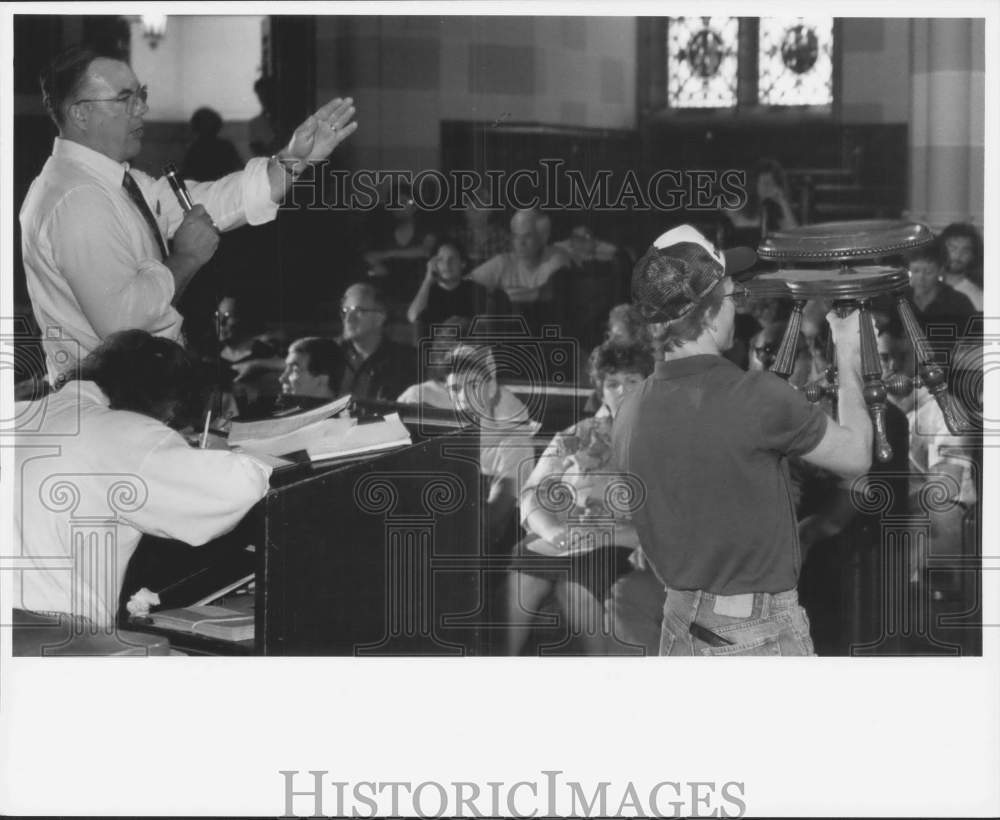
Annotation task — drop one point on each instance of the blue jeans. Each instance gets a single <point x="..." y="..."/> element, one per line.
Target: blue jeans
<point x="757" y="623"/>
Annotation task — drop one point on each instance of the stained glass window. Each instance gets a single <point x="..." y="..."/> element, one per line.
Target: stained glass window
<point x="795" y="61"/>
<point x="702" y="62"/>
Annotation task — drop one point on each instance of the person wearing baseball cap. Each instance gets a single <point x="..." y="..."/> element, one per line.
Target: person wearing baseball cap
<point x="710" y="444"/>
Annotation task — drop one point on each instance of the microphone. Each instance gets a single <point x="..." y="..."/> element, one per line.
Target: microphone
<point x="180" y="190"/>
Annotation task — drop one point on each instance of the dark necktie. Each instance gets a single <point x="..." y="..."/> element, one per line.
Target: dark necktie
<point x="132" y="188"/>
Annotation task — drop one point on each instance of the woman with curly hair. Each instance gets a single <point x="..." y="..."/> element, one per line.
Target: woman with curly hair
<point x="581" y="546"/>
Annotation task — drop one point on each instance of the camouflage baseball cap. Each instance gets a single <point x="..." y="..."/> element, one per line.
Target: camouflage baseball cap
<point x="679" y="270"/>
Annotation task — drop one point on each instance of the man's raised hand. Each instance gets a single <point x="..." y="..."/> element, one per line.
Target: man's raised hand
<point x="323" y="131"/>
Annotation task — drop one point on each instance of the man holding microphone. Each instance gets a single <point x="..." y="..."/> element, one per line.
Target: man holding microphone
<point x="94" y="231"/>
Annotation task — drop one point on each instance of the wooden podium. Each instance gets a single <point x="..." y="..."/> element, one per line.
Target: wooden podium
<point x="379" y="556"/>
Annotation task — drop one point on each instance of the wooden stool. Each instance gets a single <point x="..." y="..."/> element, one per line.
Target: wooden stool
<point x="821" y="262"/>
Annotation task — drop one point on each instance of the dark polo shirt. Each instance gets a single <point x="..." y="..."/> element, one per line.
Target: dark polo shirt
<point x="709" y="443"/>
<point x="383" y="375"/>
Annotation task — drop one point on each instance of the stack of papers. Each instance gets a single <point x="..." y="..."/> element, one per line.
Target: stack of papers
<point x="367" y="437"/>
<point x="324" y="438"/>
<point x="273" y="437"/>
<point x="260" y="431"/>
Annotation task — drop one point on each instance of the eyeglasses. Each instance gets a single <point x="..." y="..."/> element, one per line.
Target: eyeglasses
<point x="355" y="309"/>
<point x="740" y="296"/>
<point x="130" y="99"/>
<point x="765" y="351"/>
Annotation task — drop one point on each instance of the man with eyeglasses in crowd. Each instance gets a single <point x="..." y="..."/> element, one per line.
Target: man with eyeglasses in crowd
<point x="95" y="232"/>
<point x="710" y="444"/>
<point x="377" y="367"/>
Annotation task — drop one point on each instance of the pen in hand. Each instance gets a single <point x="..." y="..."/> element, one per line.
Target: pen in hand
<point x="204" y="434"/>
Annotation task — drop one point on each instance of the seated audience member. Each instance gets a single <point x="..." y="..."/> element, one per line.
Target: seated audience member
<point x="210" y="156"/>
<point x="445" y="292"/>
<point x="524" y="271"/>
<point x="936" y="456"/>
<point x="764" y="348"/>
<point x="752" y="317"/>
<point x="577" y="464"/>
<point x="626" y="326"/>
<point x="817" y="335"/>
<point x="246" y="363"/>
<point x="102" y="442"/>
<point x="434" y="392"/>
<point x="377" y="367"/>
<point x="314" y="369"/>
<point x="479" y="232"/>
<point x="400" y="246"/>
<point x="935" y="303"/>
<point x="240" y="331"/>
<point x="964" y="272"/>
<point x="506" y="454"/>
<point x="768" y="207"/>
<point x="582" y="247"/>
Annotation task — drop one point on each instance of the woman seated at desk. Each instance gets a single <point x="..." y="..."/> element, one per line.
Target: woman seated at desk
<point x="568" y="549"/>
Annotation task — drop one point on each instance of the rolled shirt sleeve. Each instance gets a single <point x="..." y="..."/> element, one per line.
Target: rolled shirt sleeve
<point x="240" y="198"/>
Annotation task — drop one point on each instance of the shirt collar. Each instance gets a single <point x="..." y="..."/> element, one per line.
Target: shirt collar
<point x="106" y="168"/>
<point x="689" y="365"/>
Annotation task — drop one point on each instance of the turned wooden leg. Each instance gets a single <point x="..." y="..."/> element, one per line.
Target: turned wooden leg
<point x="931" y="374"/>
<point x="784" y="361"/>
<point x="874" y="389"/>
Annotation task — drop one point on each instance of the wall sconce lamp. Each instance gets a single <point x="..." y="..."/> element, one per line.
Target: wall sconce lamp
<point x="154" y="27"/>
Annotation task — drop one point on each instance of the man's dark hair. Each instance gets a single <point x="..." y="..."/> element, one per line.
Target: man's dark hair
<point x="451" y="242"/>
<point x="967" y="231"/>
<point x="325" y="357"/>
<point x="474" y="360"/>
<point x="62" y="76"/>
<point x="143" y="373"/>
<point x="933" y="252"/>
<point x="618" y="357"/>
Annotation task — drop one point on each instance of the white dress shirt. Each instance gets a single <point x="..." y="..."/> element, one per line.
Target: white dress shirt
<point x="93" y="266"/>
<point x="89" y="481"/>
